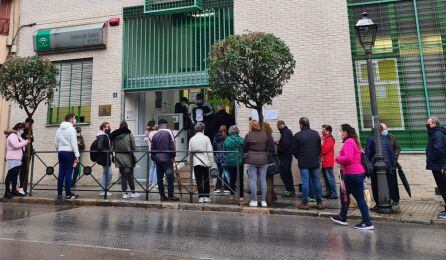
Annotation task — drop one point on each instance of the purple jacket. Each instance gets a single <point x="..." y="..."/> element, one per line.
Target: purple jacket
<point x="162" y="141"/>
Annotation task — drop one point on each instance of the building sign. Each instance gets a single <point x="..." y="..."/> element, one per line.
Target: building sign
<point x="71" y="38"/>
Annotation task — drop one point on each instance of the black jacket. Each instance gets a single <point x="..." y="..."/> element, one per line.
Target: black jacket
<point x="221" y="118"/>
<point x="104" y="144"/>
<point x="285" y="146"/>
<point x="387" y="150"/>
<point x="307" y="148"/>
<point x="436" y="149"/>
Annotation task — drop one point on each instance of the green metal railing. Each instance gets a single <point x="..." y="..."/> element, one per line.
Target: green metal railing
<point x="409" y="63"/>
<point x="170" y="51"/>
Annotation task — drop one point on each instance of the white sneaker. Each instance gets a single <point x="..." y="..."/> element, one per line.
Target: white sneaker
<point x="253" y="203"/>
<point x="125" y="195"/>
<point x="227" y="192"/>
<point x="264" y="204"/>
<point x="21" y="191"/>
<point x="102" y="194"/>
<point x="217" y="191"/>
<point x="135" y="195"/>
<point x="201" y="200"/>
<point x="207" y="200"/>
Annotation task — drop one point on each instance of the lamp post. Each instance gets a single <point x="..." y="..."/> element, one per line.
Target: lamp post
<point x="366" y="31"/>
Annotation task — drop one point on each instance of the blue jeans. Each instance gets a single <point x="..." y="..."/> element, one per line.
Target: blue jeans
<point x="106" y="175"/>
<point x="161" y="168"/>
<point x="66" y="161"/>
<point x="152" y="172"/>
<point x="308" y="176"/>
<point x="254" y="172"/>
<point x="330" y="182"/>
<point x="354" y="185"/>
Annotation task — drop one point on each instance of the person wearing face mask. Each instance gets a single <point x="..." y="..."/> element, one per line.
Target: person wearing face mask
<point x="81" y="146"/>
<point x="104" y="158"/>
<point x="15" y="150"/>
<point x="25" y="134"/>
<point x="327" y="158"/>
<point x="181" y="108"/>
<point x="285" y="154"/>
<point x="393" y="185"/>
<point x="68" y="155"/>
<point x="389" y="158"/>
<point x="436" y="157"/>
<point x="202" y="112"/>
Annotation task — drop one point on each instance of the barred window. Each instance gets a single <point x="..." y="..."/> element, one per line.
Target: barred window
<point x="73" y="93"/>
<point x="5" y="15"/>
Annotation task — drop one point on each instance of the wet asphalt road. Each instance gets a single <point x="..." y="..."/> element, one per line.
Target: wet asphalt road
<point x="49" y="232"/>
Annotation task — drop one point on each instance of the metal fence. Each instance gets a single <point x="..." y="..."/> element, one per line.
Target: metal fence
<point x="49" y="161"/>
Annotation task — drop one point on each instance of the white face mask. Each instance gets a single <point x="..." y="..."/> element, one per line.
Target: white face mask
<point x="340" y="135"/>
<point x="21" y="132"/>
<point x="74" y="121"/>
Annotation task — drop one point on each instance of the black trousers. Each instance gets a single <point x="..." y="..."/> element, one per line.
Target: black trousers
<point x="127" y="177"/>
<point x="440" y="179"/>
<point x="232" y="170"/>
<point x="202" y="178"/>
<point x="11" y="179"/>
<point x="23" y="171"/>
<point x="285" y="172"/>
<point x="392" y="183"/>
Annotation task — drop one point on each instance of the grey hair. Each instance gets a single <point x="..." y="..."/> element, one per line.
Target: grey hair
<point x="199" y="127"/>
<point x="233" y="130"/>
<point x="435" y="120"/>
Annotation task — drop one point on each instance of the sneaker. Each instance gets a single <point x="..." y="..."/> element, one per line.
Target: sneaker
<point x="311" y="200"/>
<point x="227" y="192"/>
<point x="72" y="196"/>
<point x="59" y="197"/>
<point x="125" y="195"/>
<point x="102" y="194"/>
<point x="217" y="191"/>
<point x="201" y="200"/>
<point x="337" y="219"/>
<point x="303" y="206"/>
<point x="22" y="192"/>
<point x="286" y="194"/>
<point x="442" y="215"/>
<point x="135" y="195"/>
<point x="364" y="226"/>
<point x="253" y="204"/>
<point x="264" y="204"/>
<point x="207" y="200"/>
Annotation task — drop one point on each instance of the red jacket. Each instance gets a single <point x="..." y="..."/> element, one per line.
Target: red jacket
<point x="327" y="153"/>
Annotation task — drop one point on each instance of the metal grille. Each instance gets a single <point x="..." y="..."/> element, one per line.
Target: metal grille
<point x="5" y="15"/>
<point x="73" y="93"/>
<point x="170" y="51"/>
<point x="160" y="7"/>
<point x="409" y="65"/>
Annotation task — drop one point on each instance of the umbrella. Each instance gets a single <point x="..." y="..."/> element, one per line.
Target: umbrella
<point x="403" y="178"/>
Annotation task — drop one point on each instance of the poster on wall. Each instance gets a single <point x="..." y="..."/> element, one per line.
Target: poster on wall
<point x="388" y="93"/>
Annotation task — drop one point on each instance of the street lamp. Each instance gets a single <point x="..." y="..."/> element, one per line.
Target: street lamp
<point x="366" y="31"/>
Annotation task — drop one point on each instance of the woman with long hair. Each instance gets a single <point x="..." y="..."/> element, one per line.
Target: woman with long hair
<point x="353" y="175"/>
<point x="220" y="158"/>
<point x="15" y="149"/>
<point x="256" y="150"/>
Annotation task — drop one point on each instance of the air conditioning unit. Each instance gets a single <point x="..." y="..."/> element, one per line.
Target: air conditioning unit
<point x="9" y="41"/>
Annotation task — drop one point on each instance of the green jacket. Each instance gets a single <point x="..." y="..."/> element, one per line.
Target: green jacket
<point x="124" y="142"/>
<point x="234" y="143"/>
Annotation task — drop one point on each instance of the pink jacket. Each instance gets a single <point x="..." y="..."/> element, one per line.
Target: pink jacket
<point x="350" y="158"/>
<point x="15" y="145"/>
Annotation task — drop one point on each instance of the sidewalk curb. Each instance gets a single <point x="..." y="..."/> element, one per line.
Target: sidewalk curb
<point x="213" y="208"/>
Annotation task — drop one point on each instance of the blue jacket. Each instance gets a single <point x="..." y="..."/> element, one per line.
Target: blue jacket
<point x="436" y="149"/>
<point x="162" y="141"/>
<point x="387" y="148"/>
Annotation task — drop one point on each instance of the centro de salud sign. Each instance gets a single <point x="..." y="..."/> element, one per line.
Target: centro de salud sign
<point x="89" y="36"/>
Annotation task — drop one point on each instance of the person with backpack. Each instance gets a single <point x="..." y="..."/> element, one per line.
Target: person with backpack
<point x="15" y="150"/>
<point x="352" y="175"/>
<point x="124" y="144"/>
<point x="436" y="157"/>
<point x="68" y="155"/>
<point x="150" y="133"/>
<point x="327" y="158"/>
<point x="234" y="160"/>
<point x="104" y="157"/>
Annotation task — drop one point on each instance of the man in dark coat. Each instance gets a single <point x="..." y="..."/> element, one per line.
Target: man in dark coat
<point x="436" y="156"/>
<point x="220" y="118"/>
<point x="388" y="154"/>
<point x="285" y="154"/>
<point x="181" y="108"/>
<point x="24" y="170"/>
<point x="307" y="150"/>
<point x="393" y="185"/>
<point x="104" y="158"/>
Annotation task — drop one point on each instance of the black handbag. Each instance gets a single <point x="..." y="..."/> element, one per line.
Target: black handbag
<point x="273" y="164"/>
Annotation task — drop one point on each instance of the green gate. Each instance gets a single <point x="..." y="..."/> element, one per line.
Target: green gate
<point x="409" y="64"/>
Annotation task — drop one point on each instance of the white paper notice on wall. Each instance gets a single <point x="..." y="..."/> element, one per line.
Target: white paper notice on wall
<point x="130" y="115"/>
<point x="268" y="114"/>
